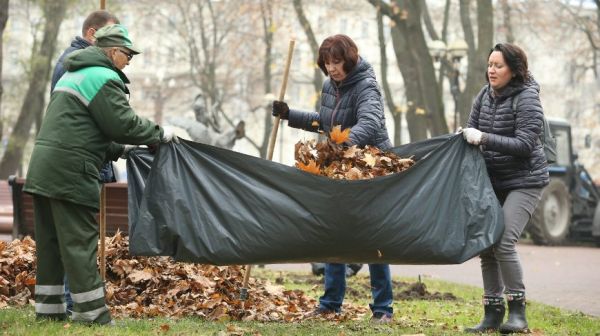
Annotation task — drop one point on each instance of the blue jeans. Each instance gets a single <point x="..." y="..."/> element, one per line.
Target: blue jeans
<point x="335" y="288"/>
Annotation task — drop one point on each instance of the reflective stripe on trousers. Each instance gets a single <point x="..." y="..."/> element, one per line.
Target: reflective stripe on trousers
<point x="50" y="308"/>
<point x="89" y="316"/>
<point x="49" y="290"/>
<point x="92" y="295"/>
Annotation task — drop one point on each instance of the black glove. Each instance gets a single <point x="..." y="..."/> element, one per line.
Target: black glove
<point x="280" y="109"/>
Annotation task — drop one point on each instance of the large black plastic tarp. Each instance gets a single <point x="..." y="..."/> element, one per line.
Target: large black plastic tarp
<point x="204" y="204"/>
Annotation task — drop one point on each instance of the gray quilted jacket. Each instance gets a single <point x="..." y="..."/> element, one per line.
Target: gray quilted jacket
<point x="513" y="153"/>
<point x="356" y="102"/>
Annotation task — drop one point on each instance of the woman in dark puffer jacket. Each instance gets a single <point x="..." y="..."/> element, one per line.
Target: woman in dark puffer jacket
<point x="516" y="164"/>
<point x="350" y="98"/>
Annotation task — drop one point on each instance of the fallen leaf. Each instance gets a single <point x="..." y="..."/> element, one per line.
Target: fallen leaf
<point x="311" y="167"/>
<point x="338" y="136"/>
<point x="370" y="160"/>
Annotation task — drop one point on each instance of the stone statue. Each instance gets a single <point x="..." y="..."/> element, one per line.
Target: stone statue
<point x="205" y="130"/>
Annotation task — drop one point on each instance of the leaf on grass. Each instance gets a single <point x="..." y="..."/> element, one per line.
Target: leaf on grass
<point x="311" y="167"/>
<point x="171" y="289"/>
<point x="139" y="276"/>
<point x="338" y="136"/>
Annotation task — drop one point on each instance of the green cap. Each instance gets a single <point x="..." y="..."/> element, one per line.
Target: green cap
<point x="114" y="35"/>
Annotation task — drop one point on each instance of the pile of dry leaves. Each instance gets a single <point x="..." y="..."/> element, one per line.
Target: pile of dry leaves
<point x="158" y="286"/>
<point x="334" y="160"/>
<point x="17" y="272"/>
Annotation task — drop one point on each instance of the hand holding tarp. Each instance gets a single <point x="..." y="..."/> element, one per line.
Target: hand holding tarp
<point x="280" y="109"/>
<point x="126" y="150"/>
<point x="169" y="135"/>
<point x="472" y="135"/>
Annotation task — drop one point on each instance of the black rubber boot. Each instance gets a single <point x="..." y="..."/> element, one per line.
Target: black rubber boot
<point x="318" y="268"/>
<point x="352" y="269"/>
<point x="517" y="322"/>
<point x="493" y="315"/>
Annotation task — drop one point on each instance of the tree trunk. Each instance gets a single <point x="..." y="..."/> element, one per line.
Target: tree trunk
<point x="389" y="98"/>
<point x="477" y="54"/>
<point x="422" y="92"/>
<point x="3" y="19"/>
<point x="314" y="47"/>
<point x="267" y="18"/>
<point x="510" y="37"/>
<point x="415" y="119"/>
<point x="33" y="103"/>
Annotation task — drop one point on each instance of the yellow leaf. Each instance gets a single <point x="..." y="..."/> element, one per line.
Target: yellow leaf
<point x="272" y="28"/>
<point x="338" y="136"/>
<point x="311" y="167"/>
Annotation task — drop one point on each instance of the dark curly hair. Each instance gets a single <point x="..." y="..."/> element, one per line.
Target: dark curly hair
<point x="516" y="59"/>
<point x="338" y="47"/>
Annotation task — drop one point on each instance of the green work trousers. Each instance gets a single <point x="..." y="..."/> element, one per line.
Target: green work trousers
<point x="66" y="236"/>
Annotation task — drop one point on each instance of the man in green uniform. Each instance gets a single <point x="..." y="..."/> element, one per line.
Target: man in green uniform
<point x="87" y="121"/>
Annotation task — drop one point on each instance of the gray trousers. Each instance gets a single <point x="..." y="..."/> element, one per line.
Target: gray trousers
<point x="500" y="264"/>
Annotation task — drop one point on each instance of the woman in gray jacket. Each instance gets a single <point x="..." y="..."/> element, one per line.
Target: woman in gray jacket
<point x="516" y="164"/>
<point x="350" y="98"/>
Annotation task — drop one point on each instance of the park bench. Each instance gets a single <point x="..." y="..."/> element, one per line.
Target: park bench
<point x="22" y="208"/>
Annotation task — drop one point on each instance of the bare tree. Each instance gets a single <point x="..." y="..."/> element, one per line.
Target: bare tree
<point x="3" y="19"/>
<point x="579" y="19"/>
<point x="314" y="47"/>
<point x="389" y="97"/>
<point x="266" y="9"/>
<point x="478" y="51"/>
<point x="34" y="101"/>
<point x="425" y="110"/>
<point x="205" y="27"/>
<point x="506" y="21"/>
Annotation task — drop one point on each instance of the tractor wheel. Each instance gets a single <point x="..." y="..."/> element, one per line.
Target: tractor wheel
<point x="596" y="225"/>
<point x="550" y="222"/>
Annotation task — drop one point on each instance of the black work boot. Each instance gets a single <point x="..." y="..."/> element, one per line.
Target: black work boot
<point x="517" y="322"/>
<point x="493" y="315"/>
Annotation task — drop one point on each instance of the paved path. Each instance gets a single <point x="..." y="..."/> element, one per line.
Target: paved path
<point x="566" y="277"/>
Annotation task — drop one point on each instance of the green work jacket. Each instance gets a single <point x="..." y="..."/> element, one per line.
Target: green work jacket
<point x="87" y="120"/>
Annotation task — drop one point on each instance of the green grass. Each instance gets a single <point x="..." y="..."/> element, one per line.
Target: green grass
<point x="429" y="317"/>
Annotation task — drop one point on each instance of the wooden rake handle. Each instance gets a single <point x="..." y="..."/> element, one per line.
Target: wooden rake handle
<point x="286" y="73"/>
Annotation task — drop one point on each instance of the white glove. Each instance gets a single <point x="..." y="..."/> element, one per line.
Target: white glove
<point x="126" y="150"/>
<point x="472" y="135"/>
<point x="169" y="135"/>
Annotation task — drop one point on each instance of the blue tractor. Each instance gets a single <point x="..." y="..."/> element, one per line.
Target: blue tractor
<point x="569" y="208"/>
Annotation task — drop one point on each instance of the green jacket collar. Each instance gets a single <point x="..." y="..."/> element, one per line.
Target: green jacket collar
<point x="91" y="56"/>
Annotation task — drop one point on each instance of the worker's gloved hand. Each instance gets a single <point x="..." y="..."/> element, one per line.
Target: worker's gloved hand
<point x="126" y="150"/>
<point x="169" y="135"/>
<point x="472" y="135"/>
<point x="459" y="130"/>
<point x="280" y="109"/>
